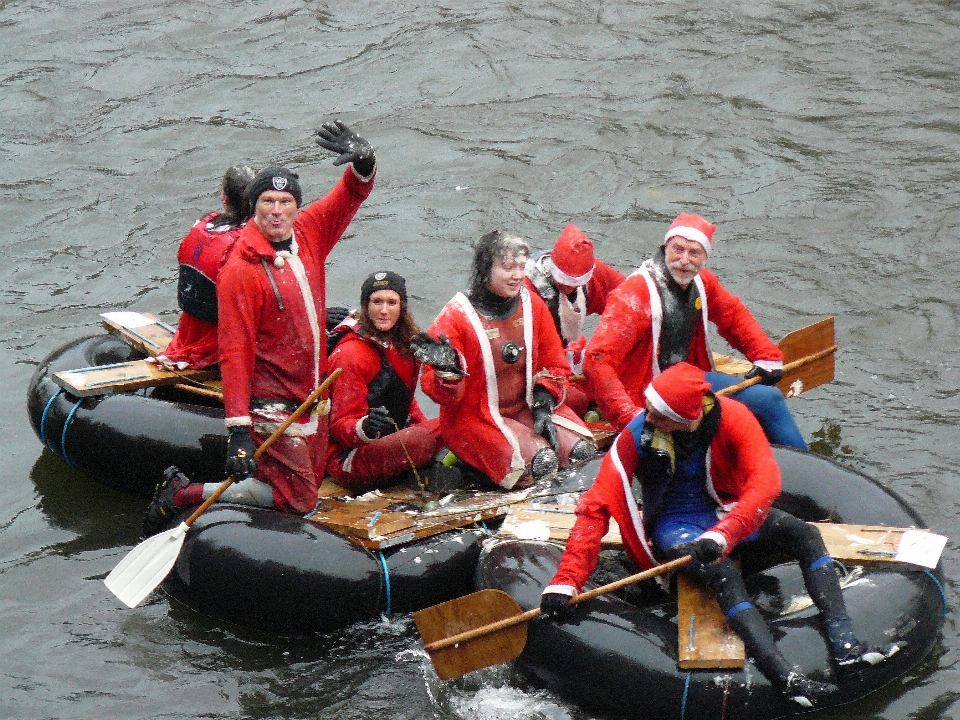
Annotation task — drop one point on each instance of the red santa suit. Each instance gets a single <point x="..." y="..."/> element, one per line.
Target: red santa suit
<point x="485" y="417"/>
<point x="201" y="255"/>
<point x="375" y="374"/>
<point x="273" y="341"/>
<point x="742" y="477"/>
<point x="622" y="356"/>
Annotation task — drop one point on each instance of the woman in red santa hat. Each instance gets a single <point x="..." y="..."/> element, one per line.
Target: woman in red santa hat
<point x="573" y="284"/>
<point x="495" y="365"/>
<point x="707" y="482"/>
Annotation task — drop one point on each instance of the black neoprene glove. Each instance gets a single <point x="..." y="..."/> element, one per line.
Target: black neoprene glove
<point x="555" y="606"/>
<point x="377" y="423"/>
<point x="542" y="422"/>
<point x="240" y="449"/>
<point x="336" y="315"/>
<point x="704" y="550"/>
<point x="767" y="377"/>
<point x="349" y="147"/>
<point x="439" y="354"/>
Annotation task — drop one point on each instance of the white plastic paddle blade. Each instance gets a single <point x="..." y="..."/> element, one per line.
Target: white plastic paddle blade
<point x="146" y="566"/>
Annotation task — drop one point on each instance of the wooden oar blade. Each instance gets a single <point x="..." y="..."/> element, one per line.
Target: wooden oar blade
<point x="816" y="342"/>
<point x="468" y="613"/>
<point x="146" y="566"/>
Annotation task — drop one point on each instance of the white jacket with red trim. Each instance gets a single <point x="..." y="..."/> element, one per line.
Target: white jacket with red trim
<point x="743" y="478"/>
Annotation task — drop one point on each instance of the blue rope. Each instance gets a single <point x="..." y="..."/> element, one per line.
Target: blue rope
<point x="683" y="701"/>
<point x="63" y="435"/>
<point x="43" y="420"/>
<point x="943" y="595"/>
<point x="386" y="580"/>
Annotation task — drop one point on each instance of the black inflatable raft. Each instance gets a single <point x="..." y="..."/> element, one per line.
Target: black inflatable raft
<point x="124" y="440"/>
<point x="620" y="659"/>
<point x="262" y="569"/>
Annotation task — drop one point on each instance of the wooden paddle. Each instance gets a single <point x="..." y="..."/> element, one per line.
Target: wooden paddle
<point x="489" y="627"/>
<point x="808" y="360"/>
<point x="148" y="563"/>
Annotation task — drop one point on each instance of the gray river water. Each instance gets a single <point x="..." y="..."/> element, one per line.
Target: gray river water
<point x="821" y="137"/>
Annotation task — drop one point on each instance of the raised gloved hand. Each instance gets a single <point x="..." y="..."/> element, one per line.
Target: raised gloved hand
<point x="349" y="147"/>
<point x="377" y="423"/>
<point x="767" y="377"/>
<point x="704" y="550"/>
<point x="555" y="605"/>
<point x="240" y="449"/>
<point x="542" y="422"/>
<point x="336" y="315"/>
<point x="439" y="354"/>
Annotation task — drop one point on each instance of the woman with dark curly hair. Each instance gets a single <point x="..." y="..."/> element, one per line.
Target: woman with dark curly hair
<point x="377" y="430"/>
<point x="496" y="366"/>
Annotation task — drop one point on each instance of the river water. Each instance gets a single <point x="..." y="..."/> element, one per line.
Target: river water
<point x="821" y="137"/>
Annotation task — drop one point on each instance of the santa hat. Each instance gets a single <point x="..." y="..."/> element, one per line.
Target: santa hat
<point x="692" y="227"/>
<point x="678" y="392"/>
<point x="572" y="257"/>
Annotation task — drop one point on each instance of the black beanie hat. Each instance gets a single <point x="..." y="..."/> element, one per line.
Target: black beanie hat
<point x="273" y="178"/>
<point x="383" y="280"/>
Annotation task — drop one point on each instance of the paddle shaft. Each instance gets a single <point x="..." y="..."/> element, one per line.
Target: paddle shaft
<point x="789" y="367"/>
<point x="536" y="612"/>
<point x="307" y="404"/>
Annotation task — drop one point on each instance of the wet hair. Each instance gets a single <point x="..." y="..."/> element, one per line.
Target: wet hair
<point x="495" y="245"/>
<point x="399" y="335"/>
<point x="235" y="182"/>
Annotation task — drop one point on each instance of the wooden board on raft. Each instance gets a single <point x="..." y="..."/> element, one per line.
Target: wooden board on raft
<point x="124" y="377"/>
<point x="395" y="516"/>
<point x="864" y="544"/>
<point x="705" y="640"/>
<point x="539" y="521"/>
<point x="141" y="330"/>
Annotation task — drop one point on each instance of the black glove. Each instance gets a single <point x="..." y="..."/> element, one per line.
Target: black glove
<point x="704" y="551"/>
<point x="542" y="422"/>
<point x="767" y="377"/>
<point x="377" y="423"/>
<point x="336" y="315"/>
<point x="240" y="450"/>
<point x="439" y="354"/>
<point x="555" y="606"/>
<point x="349" y="146"/>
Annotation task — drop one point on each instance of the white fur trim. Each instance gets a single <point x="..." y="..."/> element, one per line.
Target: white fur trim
<point x="560" y="589"/>
<point x="347" y="466"/>
<point x="635" y="520"/>
<point x="660" y="405"/>
<point x="690" y="233"/>
<point x="305" y="290"/>
<point x="656" y="312"/>
<point x="572" y="316"/>
<point x="517" y="467"/>
<point x="239" y="421"/>
<point x="360" y="433"/>
<point x="717" y="538"/>
<point x="561" y="277"/>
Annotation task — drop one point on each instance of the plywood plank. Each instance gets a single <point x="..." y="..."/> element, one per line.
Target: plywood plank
<point x="143" y="331"/>
<point x="705" y="640"/>
<point x="863" y="544"/>
<point x="124" y="377"/>
<point x="538" y="521"/>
